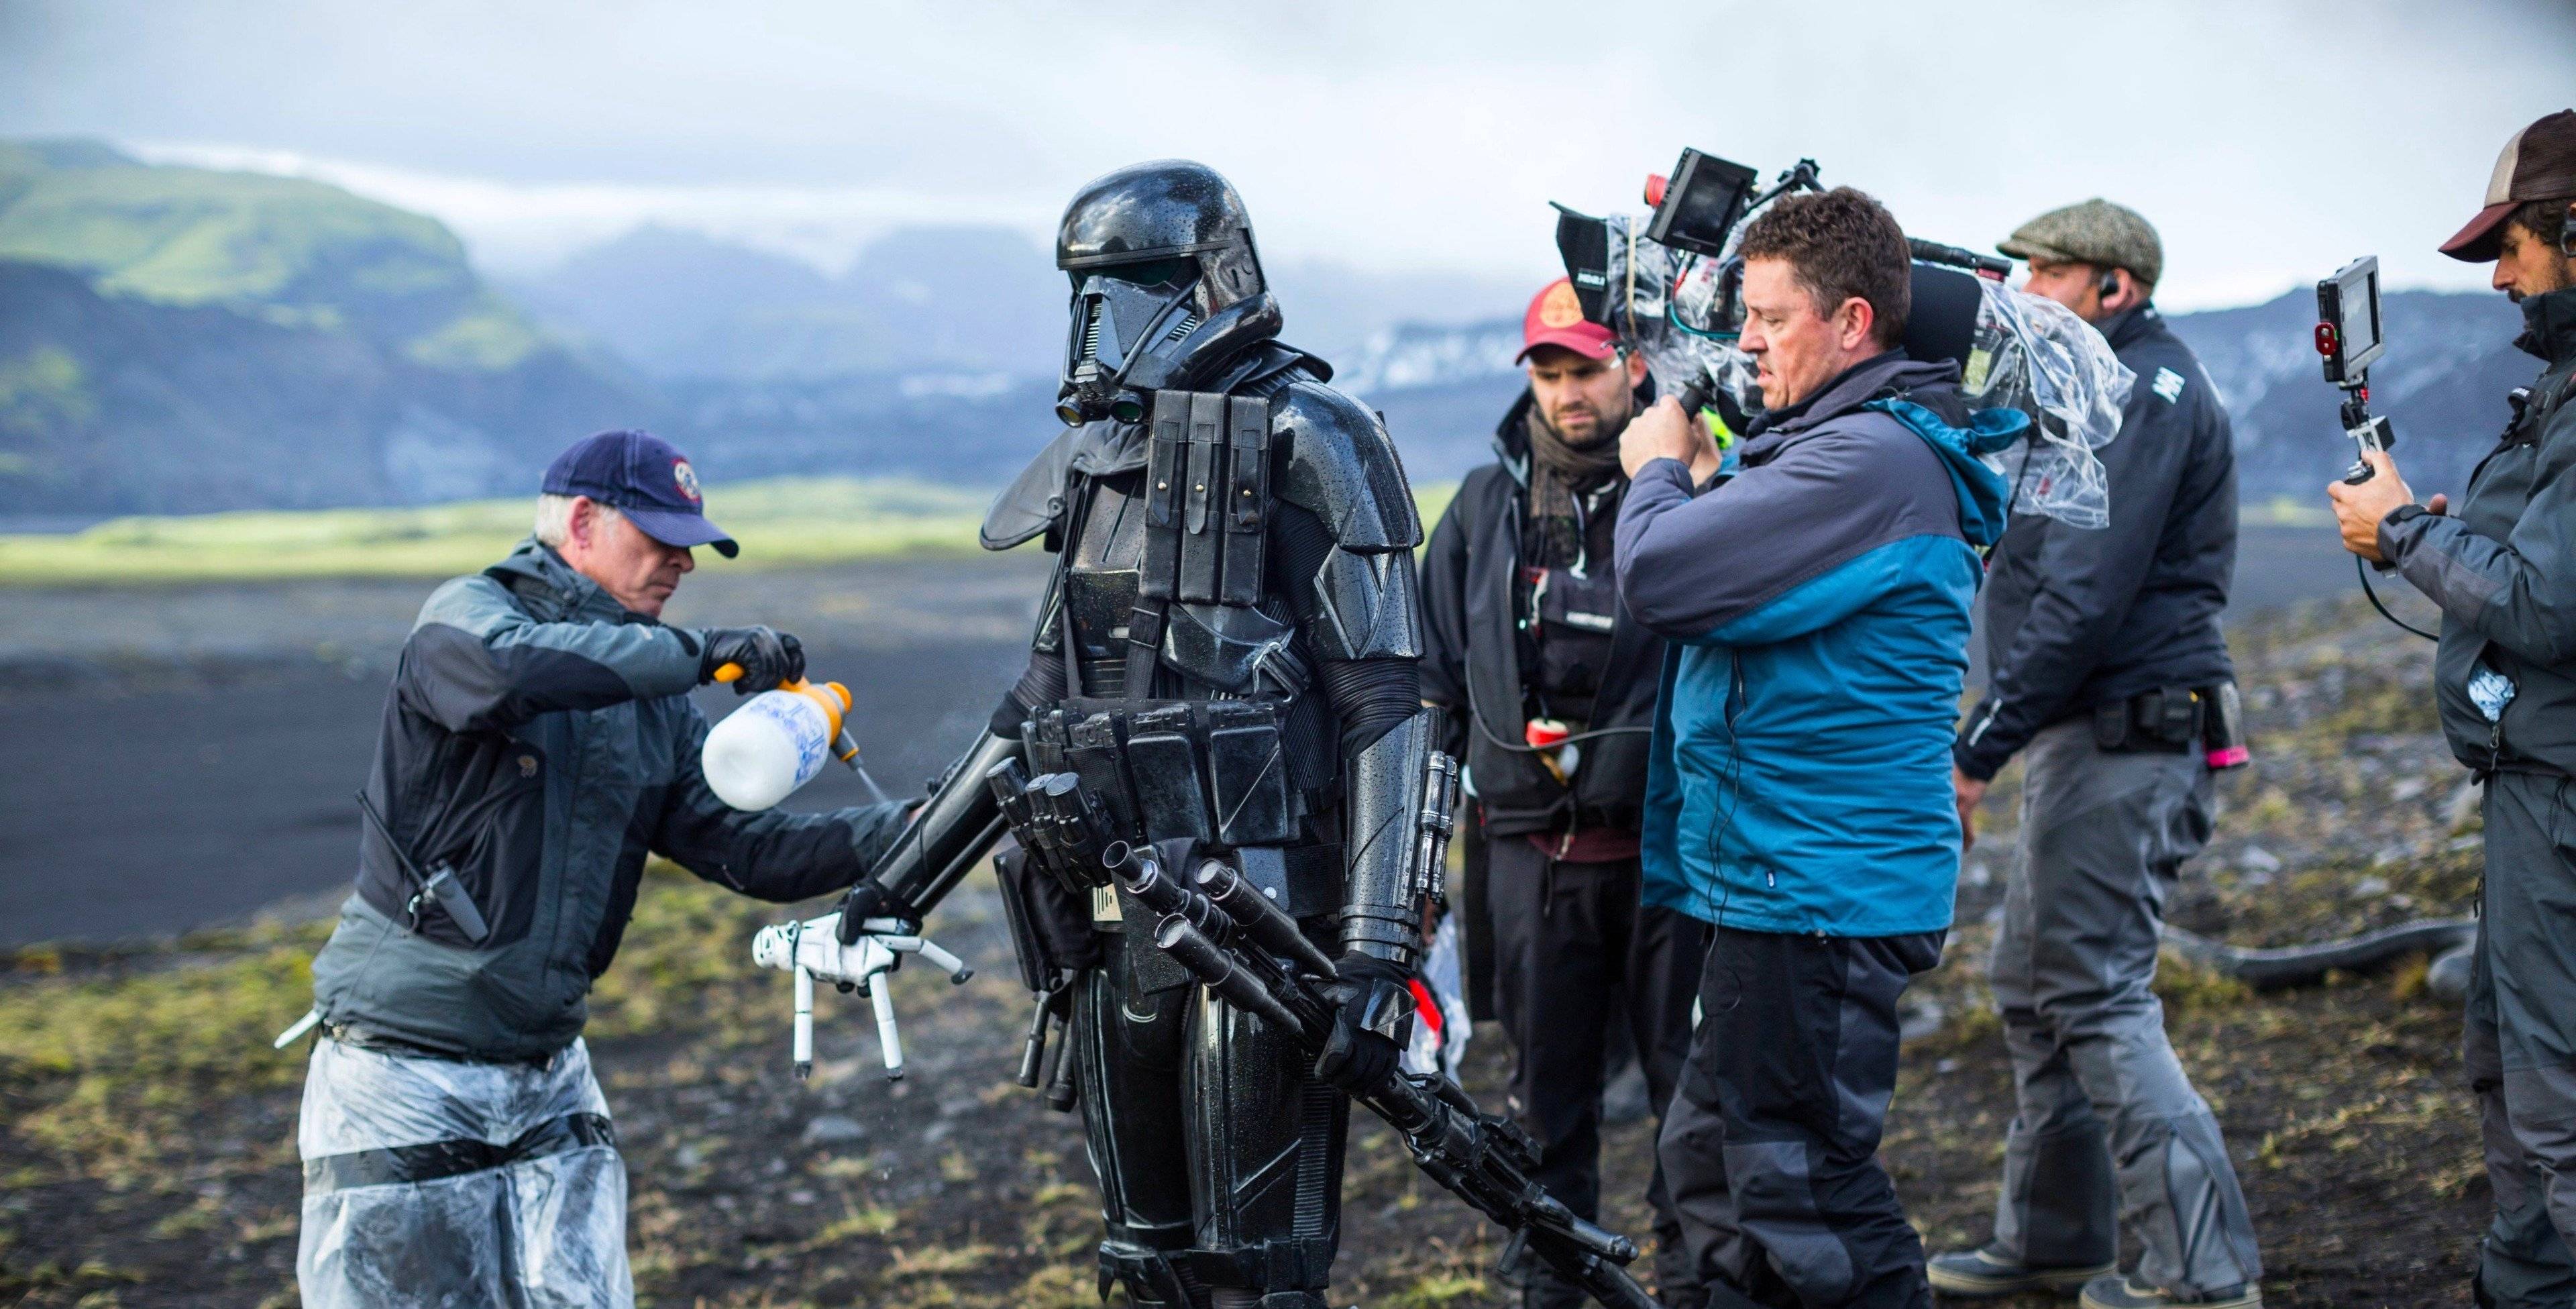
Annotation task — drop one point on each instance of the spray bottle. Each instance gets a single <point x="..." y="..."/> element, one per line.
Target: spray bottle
<point x="777" y="741"/>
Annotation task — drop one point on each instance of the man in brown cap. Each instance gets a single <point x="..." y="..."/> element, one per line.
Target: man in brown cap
<point x="2503" y="570"/>
<point x="2103" y="653"/>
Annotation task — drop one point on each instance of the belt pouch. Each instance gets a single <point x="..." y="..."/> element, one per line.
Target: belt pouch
<point x="1247" y="498"/>
<point x="1248" y="775"/>
<point x="1092" y="753"/>
<point x="2173" y="715"/>
<point x="1163" y="759"/>
<point x="1050" y="925"/>
<point x="2111" y="725"/>
<point x="1202" y="523"/>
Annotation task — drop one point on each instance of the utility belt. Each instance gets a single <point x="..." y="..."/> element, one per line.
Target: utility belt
<point x="1215" y="771"/>
<point x="2173" y="719"/>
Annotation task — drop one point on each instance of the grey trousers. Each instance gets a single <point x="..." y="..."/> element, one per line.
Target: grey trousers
<point x="2109" y="1141"/>
<point x="2520" y="1040"/>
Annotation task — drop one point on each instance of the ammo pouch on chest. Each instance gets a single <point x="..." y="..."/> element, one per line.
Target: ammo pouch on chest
<point x="1207" y="499"/>
<point x="1209" y="770"/>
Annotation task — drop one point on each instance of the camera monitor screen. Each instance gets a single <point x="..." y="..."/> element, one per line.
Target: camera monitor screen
<point x="2348" y="323"/>
<point x="1702" y="204"/>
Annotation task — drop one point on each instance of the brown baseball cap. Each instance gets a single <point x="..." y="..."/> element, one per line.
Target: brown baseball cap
<point x="2539" y="163"/>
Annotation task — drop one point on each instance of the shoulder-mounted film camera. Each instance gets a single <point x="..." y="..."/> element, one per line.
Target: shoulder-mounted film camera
<point x="2350" y="336"/>
<point x="1683" y="262"/>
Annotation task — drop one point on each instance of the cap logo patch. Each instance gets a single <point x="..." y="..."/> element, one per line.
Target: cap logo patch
<point x="1560" y="308"/>
<point x="2168" y="384"/>
<point x="687" y="480"/>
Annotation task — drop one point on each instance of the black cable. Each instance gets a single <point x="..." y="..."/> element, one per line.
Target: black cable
<point x="1477" y="717"/>
<point x="2362" y="567"/>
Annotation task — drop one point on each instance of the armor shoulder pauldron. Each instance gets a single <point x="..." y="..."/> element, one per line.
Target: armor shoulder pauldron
<point x="1342" y="467"/>
<point x="1034" y="500"/>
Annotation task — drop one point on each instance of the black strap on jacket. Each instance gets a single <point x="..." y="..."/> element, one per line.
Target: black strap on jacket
<point x="439" y="1159"/>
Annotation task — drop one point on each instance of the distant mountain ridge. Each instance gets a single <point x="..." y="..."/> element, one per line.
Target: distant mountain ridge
<point x="179" y="340"/>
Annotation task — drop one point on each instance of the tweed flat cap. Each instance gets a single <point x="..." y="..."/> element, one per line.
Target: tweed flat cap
<point x="2095" y="232"/>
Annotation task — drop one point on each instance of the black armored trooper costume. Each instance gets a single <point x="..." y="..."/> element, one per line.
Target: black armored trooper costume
<point x="1224" y="666"/>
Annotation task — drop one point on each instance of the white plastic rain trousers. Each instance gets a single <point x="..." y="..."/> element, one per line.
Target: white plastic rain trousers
<point x="439" y="1184"/>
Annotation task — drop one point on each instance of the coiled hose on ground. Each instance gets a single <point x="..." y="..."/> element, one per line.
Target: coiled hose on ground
<point x="2447" y="941"/>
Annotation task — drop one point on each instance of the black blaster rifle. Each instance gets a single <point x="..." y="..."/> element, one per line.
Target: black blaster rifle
<point x="1248" y="950"/>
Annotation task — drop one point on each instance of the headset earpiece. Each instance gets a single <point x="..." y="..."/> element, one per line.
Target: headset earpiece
<point x="2567" y="231"/>
<point x="2110" y="283"/>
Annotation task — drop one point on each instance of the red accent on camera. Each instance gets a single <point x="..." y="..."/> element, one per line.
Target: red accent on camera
<point x="2326" y="339"/>
<point x="1655" y="185"/>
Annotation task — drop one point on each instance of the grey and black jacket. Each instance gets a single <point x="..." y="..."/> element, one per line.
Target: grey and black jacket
<point x="539" y="739"/>
<point x="2503" y="569"/>
<point x="1472" y="665"/>
<point x="2078" y="617"/>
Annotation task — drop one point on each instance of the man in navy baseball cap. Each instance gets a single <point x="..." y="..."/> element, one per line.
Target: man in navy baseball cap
<point x="643" y="477"/>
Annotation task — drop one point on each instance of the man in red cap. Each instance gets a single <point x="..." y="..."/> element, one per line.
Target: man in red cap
<point x="1527" y="642"/>
<point x="2503" y="569"/>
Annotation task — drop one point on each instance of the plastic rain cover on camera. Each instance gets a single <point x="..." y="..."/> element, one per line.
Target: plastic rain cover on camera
<point x="2030" y="354"/>
<point x="2033" y="354"/>
<point x="1440" y="1029"/>
<point x="437" y="1182"/>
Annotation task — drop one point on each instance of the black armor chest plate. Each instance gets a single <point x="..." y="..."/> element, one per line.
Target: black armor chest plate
<point x="1100" y="582"/>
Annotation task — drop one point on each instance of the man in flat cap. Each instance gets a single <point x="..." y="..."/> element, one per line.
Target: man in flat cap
<point x="2503" y="569"/>
<point x="2105" y="662"/>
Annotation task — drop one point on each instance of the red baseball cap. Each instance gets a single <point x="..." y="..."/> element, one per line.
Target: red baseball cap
<point x="1556" y="318"/>
<point x="2539" y="163"/>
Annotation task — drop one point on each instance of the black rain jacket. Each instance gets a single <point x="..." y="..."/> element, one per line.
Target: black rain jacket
<point x="1472" y="664"/>
<point x="540" y="739"/>
<point x="2078" y="617"/>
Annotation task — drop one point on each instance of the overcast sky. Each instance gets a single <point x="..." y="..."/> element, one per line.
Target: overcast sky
<point x="2269" y="142"/>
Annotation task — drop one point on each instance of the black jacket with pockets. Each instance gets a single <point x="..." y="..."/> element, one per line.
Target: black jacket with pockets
<point x="540" y="740"/>
<point x="2078" y="617"/>
<point x="1473" y="668"/>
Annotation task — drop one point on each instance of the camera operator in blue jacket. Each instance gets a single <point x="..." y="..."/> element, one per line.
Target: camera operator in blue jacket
<point x="1798" y="795"/>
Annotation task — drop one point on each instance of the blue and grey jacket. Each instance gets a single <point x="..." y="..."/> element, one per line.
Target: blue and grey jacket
<point x="539" y="740"/>
<point x="1817" y="603"/>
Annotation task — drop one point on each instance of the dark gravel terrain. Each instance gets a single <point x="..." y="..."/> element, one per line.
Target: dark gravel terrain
<point x="146" y="1131"/>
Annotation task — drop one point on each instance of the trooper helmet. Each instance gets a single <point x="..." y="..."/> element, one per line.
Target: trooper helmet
<point x="1164" y="280"/>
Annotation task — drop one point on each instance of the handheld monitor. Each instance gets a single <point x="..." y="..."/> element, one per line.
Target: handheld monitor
<point x="1701" y="204"/>
<point x="2349" y="332"/>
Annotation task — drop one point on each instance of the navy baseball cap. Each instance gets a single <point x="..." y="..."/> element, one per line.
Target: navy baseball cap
<point x="648" y="480"/>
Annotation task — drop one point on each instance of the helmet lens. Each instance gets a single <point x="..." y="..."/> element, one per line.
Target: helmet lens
<point x="1152" y="273"/>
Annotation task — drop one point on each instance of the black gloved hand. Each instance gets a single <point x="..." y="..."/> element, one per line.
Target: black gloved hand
<point x="867" y="898"/>
<point x="1374" y="1014"/>
<point x="768" y="657"/>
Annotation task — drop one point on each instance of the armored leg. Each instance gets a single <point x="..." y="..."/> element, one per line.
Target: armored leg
<point x="1242" y="1206"/>
<point x="1266" y="1144"/>
<point x="1131" y="1044"/>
